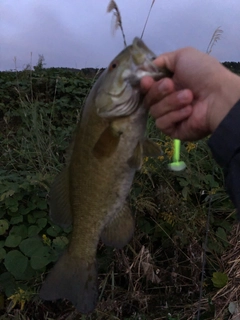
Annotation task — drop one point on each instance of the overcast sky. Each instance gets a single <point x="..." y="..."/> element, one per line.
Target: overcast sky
<point x="77" y="33"/>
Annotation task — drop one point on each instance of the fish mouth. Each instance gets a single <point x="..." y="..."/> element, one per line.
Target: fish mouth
<point x="146" y="69"/>
<point x="126" y="102"/>
<point x="132" y="81"/>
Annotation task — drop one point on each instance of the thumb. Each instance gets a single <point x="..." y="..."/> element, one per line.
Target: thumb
<point x="167" y="60"/>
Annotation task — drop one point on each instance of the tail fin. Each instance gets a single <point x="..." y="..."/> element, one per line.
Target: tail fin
<point x="72" y="279"/>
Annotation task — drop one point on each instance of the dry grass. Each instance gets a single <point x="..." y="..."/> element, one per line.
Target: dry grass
<point x="229" y="295"/>
<point x="112" y="7"/>
<point x="215" y="37"/>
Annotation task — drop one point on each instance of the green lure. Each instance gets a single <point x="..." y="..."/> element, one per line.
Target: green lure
<point x="176" y="165"/>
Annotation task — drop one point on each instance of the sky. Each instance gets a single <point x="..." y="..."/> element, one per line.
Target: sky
<point x="78" y="33"/>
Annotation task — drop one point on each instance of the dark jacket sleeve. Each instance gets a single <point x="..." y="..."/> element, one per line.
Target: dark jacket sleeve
<point x="225" y="146"/>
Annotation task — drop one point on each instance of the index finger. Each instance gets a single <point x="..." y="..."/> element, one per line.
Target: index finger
<point x="146" y="83"/>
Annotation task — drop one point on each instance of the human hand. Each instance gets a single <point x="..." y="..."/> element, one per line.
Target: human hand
<point x="191" y="104"/>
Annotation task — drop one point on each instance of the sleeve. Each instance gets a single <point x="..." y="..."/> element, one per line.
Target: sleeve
<point x="225" y="146"/>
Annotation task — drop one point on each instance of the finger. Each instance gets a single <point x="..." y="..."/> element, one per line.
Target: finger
<point x="174" y="101"/>
<point x="158" y="91"/>
<point x="168" y="123"/>
<point x="146" y="83"/>
<point x="167" y="60"/>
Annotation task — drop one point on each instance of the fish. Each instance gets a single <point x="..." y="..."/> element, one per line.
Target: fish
<point x="91" y="192"/>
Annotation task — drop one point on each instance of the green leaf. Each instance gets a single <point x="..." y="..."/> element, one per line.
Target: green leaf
<point x="183" y="182"/>
<point x="219" y="279"/>
<point x="16" y="263"/>
<point x="28" y="274"/>
<point x="60" y="242"/>
<point x="30" y="245"/>
<point x="2" y="253"/>
<point x="8" y="283"/>
<point x="13" y="241"/>
<point x="185" y="192"/>
<point x="7" y="194"/>
<point x="225" y="225"/>
<point x="53" y="231"/>
<point x="145" y="226"/>
<point x="20" y="230"/>
<point x="25" y="211"/>
<point x="41" y="257"/>
<point x="3" y="226"/>
<point x="39" y="214"/>
<point x="12" y="204"/>
<point x="16" y="220"/>
<point x="221" y="233"/>
<point x="209" y="178"/>
<point x="215" y="246"/>
<point x="42" y="204"/>
<point x="42" y="222"/>
<point x="31" y="219"/>
<point x="33" y="231"/>
<point x="2" y="214"/>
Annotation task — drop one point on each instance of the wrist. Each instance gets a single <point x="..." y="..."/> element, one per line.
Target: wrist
<point x="225" y="97"/>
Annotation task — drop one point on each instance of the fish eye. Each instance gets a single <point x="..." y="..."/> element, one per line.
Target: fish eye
<point x="153" y="58"/>
<point x="113" y="65"/>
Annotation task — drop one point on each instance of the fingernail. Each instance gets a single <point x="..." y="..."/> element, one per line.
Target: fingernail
<point x="163" y="87"/>
<point x="182" y="96"/>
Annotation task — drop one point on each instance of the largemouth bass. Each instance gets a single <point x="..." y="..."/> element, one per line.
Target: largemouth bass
<point x="91" y="193"/>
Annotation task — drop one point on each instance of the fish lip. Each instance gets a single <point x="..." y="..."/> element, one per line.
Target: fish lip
<point x="147" y="68"/>
<point x="134" y="78"/>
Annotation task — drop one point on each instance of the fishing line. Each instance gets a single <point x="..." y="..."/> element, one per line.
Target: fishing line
<point x="147" y="19"/>
<point x="204" y="256"/>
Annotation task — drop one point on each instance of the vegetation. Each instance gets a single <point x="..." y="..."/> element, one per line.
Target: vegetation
<point x="158" y="275"/>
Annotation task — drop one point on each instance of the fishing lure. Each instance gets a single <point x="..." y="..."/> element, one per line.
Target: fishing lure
<point x="176" y="165"/>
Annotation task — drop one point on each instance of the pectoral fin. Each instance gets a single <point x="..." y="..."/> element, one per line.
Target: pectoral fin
<point x="145" y="148"/>
<point x="107" y="143"/>
<point x="151" y="149"/>
<point x="137" y="158"/>
<point x="119" y="231"/>
<point x="60" y="210"/>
